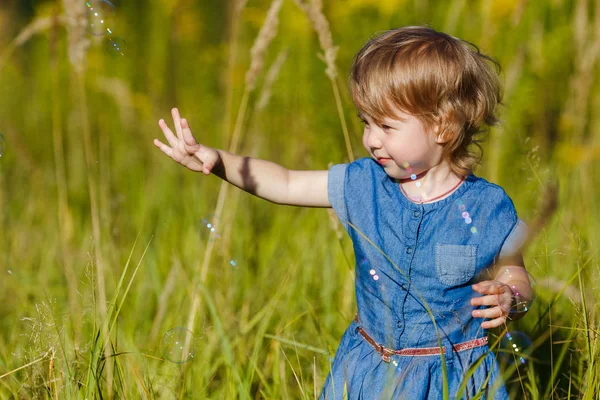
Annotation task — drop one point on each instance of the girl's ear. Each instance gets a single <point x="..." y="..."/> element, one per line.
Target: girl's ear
<point x="440" y="135"/>
<point x="442" y="128"/>
<point x="440" y="138"/>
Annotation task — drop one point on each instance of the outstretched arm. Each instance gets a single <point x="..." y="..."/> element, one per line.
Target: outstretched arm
<point x="261" y="178"/>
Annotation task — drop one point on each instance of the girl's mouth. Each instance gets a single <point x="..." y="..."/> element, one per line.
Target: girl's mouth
<point x="383" y="161"/>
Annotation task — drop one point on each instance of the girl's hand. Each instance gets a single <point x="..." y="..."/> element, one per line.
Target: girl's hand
<point x="184" y="148"/>
<point x="498" y="297"/>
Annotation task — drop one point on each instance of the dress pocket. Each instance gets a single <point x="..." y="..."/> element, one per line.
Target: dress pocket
<point x="454" y="263"/>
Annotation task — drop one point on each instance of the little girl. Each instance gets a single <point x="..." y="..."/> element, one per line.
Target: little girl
<point x="437" y="248"/>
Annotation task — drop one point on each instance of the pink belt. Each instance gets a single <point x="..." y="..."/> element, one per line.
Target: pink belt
<point x="386" y="352"/>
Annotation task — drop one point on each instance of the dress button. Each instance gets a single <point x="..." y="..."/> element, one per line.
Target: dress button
<point x="416" y="213"/>
<point x="409" y="250"/>
<point x="399" y="324"/>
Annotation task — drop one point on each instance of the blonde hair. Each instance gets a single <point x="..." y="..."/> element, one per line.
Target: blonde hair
<point x="442" y="80"/>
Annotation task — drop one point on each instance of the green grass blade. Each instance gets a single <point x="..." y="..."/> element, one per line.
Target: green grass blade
<point x="225" y="344"/>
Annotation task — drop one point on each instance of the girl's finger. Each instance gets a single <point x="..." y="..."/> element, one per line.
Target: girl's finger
<point x="164" y="148"/>
<point x="188" y="138"/>
<point x="494" y="312"/>
<point x="494" y="323"/>
<point x="177" y="122"/>
<point x="167" y="132"/>
<point x="489" y="300"/>
<point x="487" y="287"/>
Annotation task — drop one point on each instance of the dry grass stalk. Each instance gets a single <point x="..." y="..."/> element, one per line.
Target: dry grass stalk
<point x="78" y="43"/>
<point x="163" y="300"/>
<point x="64" y="215"/>
<point x="265" y="36"/>
<point x="587" y="46"/>
<point x="233" y="34"/>
<point x="76" y="32"/>
<point x="314" y="11"/>
<point x="37" y="26"/>
<point x="52" y="376"/>
<point x="93" y="195"/>
<point x="513" y="75"/>
<point x="315" y="378"/>
<point x="42" y="358"/>
<point x="270" y="79"/>
<point x="239" y="6"/>
<point x="122" y="96"/>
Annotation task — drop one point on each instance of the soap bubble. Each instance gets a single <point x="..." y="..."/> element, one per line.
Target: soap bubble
<point x="523" y="297"/>
<point x="100" y="17"/>
<point x="515" y="348"/>
<point x="2" y="146"/>
<point x="178" y="345"/>
<point x="207" y="226"/>
<point x="115" y="46"/>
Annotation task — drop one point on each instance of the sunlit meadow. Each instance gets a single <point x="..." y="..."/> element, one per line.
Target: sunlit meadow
<point x="108" y="250"/>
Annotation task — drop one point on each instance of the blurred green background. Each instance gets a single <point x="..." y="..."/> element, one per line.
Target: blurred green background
<point x="80" y="182"/>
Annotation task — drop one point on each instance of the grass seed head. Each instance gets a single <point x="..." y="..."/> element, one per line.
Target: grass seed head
<point x="265" y="36"/>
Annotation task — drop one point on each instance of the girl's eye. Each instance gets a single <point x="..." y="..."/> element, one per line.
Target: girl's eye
<point x="362" y="119"/>
<point x="385" y="127"/>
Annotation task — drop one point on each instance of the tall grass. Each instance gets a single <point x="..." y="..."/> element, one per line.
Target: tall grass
<point x="79" y="181"/>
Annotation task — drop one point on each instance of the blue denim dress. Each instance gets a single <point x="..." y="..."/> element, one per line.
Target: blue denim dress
<point x="415" y="263"/>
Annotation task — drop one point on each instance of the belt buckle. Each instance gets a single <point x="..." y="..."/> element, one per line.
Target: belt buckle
<point x="386" y="353"/>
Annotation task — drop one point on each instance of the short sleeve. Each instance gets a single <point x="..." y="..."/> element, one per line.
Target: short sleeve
<point x="335" y="191"/>
<point x="515" y="240"/>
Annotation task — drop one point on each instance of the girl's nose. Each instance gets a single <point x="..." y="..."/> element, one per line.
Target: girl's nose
<point x="373" y="141"/>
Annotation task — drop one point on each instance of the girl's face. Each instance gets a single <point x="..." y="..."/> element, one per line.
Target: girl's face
<point x="402" y="145"/>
